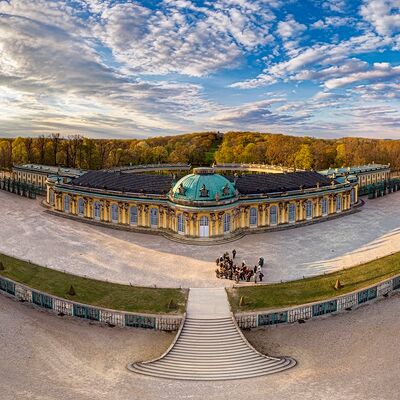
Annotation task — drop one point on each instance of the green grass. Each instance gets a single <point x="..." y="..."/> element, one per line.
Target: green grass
<point x="209" y="155"/>
<point x="94" y="292"/>
<point x="314" y="289"/>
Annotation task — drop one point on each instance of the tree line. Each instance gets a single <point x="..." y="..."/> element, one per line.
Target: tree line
<point x="306" y="152"/>
<point x="77" y="151"/>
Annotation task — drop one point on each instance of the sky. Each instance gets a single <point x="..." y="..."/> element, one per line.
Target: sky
<point x="125" y="69"/>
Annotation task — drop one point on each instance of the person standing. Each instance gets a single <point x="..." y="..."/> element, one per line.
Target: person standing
<point x="233" y="254"/>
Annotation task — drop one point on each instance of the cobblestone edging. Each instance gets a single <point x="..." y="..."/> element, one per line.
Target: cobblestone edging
<point x="304" y="312"/>
<point x="102" y="315"/>
<point x="203" y="241"/>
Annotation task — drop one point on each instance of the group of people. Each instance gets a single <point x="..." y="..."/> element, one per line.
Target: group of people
<point x="228" y="269"/>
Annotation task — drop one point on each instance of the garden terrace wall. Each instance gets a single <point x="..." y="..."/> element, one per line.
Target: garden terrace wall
<point x="61" y="306"/>
<point x="313" y="310"/>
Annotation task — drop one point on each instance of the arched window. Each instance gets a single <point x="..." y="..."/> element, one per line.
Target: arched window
<point x="292" y="213"/>
<point x="154" y="217"/>
<point x="97" y="210"/>
<point x="81" y="207"/>
<point x="227" y="223"/>
<point x="338" y="203"/>
<point x="51" y="197"/>
<point x="253" y="216"/>
<point x="309" y="209"/>
<point x="204" y="226"/>
<point x="134" y="215"/>
<point x="352" y="196"/>
<point x="273" y="215"/>
<point x="181" y="223"/>
<point x="114" y="213"/>
<point x="66" y="203"/>
<point x="324" y="206"/>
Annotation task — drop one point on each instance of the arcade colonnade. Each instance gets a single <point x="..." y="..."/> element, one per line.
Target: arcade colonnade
<point x="163" y="215"/>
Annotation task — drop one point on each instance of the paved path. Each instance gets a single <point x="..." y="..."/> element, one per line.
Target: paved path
<point x="350" y="356"/>
<point x="210" y="347"/>
<point x="108" y="254"/>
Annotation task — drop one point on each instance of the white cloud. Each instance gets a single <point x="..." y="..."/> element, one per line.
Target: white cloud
<point x="257" y="115"/>
<point x="315" y="59"/>
<point x="384" y="15"/>
<point x="335" y="5"/>
<point x="84" y="65"/>
<point x="377" y="72"/>
<point x="182" y="38"/>
<point x="51" y="72"/>
<point x="333" y="22"/>
<point x="290" y="28"/>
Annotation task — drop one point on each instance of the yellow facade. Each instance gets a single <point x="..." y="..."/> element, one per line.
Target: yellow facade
<point x="160" y="215"/>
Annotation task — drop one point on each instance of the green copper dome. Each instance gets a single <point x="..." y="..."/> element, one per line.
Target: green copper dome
<point x="203" y="186"/>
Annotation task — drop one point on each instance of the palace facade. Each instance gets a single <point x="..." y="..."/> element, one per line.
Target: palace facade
<point x="36" y="174"/>
<point x="367" y="174"/>
<point x="202" y="204"/>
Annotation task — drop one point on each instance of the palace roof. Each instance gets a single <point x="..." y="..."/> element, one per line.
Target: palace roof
<point x="122" y="182"/>
<point x="201" y="186"/>
<point x="361" y="169"/>
<point x="48" y="170"/>
<point x="272" y="183"/>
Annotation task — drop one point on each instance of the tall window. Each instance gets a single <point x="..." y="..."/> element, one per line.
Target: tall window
<point x="273" y="215"/>
<point x="97" y="210"/>
<point x="204" y="226"/>
<point x="81" y="207"/>
<point x="253" y="216"/>
<point x="114" y="213"/>
<point x="66" y="203"/>
<point x="352" y="196"/>
<point x="227" y="223"/>
<point x="292" y="213"/>
<point x="154" y="217"/>
<point x="51" y="197"/>
<point x="181" y="223"/>
<point x="309" y="209"/>
<point x="338" y="203"/>
<point x="324" y="206"/>
<point x="134" y="216"/>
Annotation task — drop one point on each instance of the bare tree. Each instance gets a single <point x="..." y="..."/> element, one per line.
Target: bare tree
<point x="41" y="148"/>
<point x="74" y="145"/>
<point x="28" y="143"/>
<point x="55" y="140"/>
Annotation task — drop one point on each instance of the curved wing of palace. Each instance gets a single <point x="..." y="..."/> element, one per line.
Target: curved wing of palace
<point x="202" y="204"/>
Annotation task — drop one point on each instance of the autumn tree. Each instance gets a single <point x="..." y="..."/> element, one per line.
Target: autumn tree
<point x="304" y="157"/>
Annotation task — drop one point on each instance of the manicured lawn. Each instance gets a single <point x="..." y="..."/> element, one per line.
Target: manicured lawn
<point x="314" y="289"/>
<point x="90" y="291"/>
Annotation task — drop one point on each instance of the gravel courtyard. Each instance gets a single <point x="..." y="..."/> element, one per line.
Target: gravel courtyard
<point x="26" y="231"/>
<point x="350" y="356"/>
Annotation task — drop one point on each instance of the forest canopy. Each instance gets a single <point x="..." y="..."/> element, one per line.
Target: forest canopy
<point x="77" y="151"/>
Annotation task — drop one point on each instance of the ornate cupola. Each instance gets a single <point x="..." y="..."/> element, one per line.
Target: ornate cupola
<point x="203" y="187"/>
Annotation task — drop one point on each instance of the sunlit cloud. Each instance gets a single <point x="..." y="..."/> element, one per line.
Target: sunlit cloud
<point x="135" y="68"/>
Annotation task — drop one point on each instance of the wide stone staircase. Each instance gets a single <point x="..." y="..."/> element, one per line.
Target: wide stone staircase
<point x="210" y="346"/>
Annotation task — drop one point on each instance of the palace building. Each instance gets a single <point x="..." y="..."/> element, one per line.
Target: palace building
<point x="202" y="204"/>
<point x="36" y="174"/>
<point x="366" y="174"/>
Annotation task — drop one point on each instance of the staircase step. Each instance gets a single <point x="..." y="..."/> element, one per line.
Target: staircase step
<point x="211" y="348"/>
<point x="215" y="376"/>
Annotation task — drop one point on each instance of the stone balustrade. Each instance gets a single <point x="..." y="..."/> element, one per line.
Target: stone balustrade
<point x="304" y="312"/>
<point x="73" y="309"/>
